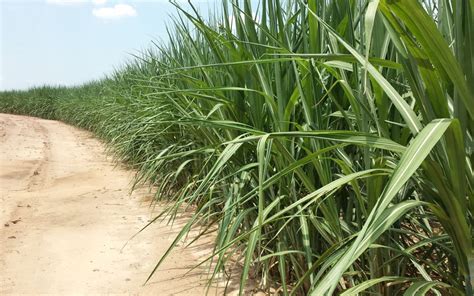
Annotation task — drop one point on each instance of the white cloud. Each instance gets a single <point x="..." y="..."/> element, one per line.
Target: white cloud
<point x="115" y="12"/>
<point x="99" y="2"/>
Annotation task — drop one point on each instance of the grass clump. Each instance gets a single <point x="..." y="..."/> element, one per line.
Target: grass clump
<point x="329" y="141"/>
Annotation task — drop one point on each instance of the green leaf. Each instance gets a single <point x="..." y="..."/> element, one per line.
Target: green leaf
<point x="382" y="216"/>
<point x="369" y="283"/>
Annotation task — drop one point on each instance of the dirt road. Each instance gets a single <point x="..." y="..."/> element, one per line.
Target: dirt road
<point x="66" y="213"/>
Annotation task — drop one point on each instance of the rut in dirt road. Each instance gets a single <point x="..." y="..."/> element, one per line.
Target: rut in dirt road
<point x="66" y="213"/>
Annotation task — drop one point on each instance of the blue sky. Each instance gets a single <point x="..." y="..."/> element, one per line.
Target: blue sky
<point x="69" y="42"/>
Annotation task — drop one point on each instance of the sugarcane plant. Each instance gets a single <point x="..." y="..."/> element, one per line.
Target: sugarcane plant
<point x="326" y="144"/>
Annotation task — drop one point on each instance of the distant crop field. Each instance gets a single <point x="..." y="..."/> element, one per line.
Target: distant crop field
<point x="327" y="143"/>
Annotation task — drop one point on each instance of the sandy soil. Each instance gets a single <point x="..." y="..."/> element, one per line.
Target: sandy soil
<point x="66" y="213"/>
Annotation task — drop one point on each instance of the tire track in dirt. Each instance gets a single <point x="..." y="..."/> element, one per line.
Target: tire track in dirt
<point x="65" y="216"/>
<point x="40" y="170"/>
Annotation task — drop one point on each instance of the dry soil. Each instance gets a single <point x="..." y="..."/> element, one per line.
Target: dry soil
<point x="66" y="214"/>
